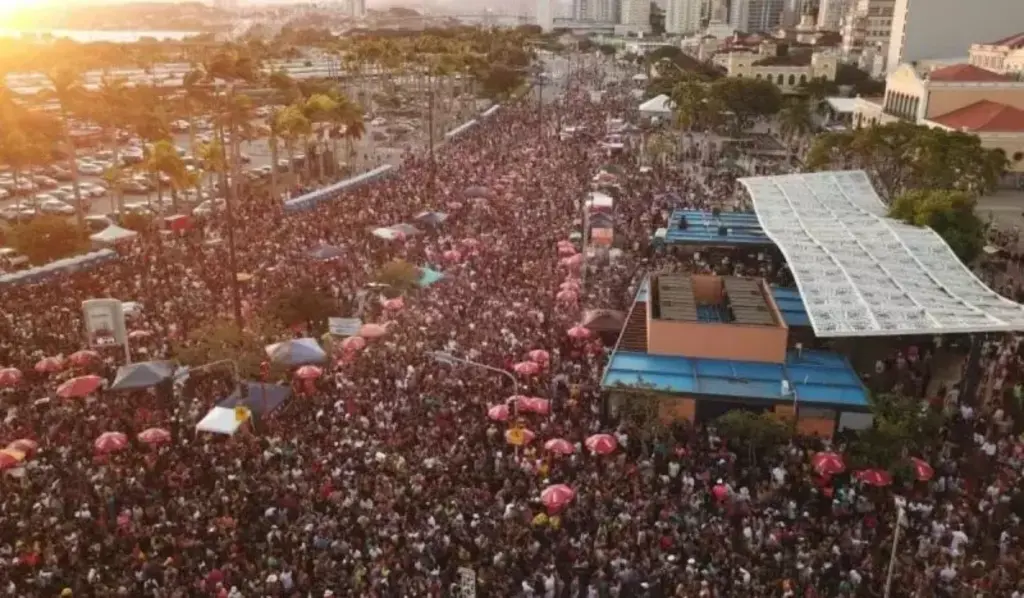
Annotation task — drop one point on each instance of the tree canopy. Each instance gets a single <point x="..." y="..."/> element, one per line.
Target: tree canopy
<point x="303" y="304"/>
<point x="221" y="339"/>
<point x="949" y="213"/>
<point x="902" y="156"/>
<point x="398" y="274"/>
<point x="48" y="238"/>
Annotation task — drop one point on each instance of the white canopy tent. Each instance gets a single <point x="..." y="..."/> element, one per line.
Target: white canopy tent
<point x="599" y="201"/>
<point x="113" y="234"/>
<point x="219" y="420"/>
<point x="659" y="105"/>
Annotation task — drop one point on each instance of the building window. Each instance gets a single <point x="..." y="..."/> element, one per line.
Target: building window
<point x="792" y="80"/>
<point x="803" y="79"/>
<point x="1018" y="156"/>
<point x="778" y="80"/>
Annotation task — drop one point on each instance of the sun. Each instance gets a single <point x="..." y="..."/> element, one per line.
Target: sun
<point x="9" y="9"/>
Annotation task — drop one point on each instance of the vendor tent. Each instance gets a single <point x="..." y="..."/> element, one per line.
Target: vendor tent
<point x="300" y="351"/>
<point x="258" y="397"/>
<point x="113" y="234"/>
<point x="660" y="105"/>
<point x="146" y="374"/>
<point x="599" y="201"/>
<point x="220" y="420"/>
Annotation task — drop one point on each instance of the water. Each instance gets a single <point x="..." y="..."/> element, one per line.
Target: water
<point x="87" y="36"/>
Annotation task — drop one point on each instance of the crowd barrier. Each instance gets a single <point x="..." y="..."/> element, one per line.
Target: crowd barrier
<point x="459" y="130"/>
<point x="314" y="198"/>
<point x="490" y="111"/>
<point x="64" y="266"/>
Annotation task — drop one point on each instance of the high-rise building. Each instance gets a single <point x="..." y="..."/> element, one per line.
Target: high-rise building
<point x="635" y="15"/>
<point x="756" y="15"/>
<point x="934" y="29"/>
<point x="545" y="15"/>
<point x="357" y="9"/>
<point x="683" y="17"/>
<point x="830" y="14"/>
<point x="601" y="11"/>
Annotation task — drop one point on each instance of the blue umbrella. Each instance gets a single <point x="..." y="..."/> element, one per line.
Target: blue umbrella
<point x="300" y="351"/>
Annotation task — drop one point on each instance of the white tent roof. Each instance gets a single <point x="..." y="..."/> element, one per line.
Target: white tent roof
<point x="863" y="274"/>
<point x="219" y="420"/>
<point x="842" y="105"/>
<point x="596" y="199"/>
<point x="658" y="105"/>
<point x="113" y="234"/>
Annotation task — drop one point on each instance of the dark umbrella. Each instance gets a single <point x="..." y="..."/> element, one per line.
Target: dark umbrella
<point x="431" y="218"/>
<point x="326" y="252"/>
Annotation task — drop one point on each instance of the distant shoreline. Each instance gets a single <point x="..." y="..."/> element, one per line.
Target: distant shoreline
<point x="100" y="35"/>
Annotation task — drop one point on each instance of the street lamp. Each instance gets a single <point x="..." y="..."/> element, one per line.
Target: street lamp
<point x="900" y="514"/>
<point x="449" y="359"/>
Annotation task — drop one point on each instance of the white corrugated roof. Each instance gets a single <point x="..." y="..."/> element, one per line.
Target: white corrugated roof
<point x="863" y="274"/>
<point x="842" y="105"/>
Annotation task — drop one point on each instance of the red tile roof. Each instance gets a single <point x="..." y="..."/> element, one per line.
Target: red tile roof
<point x="1013" y="42"/>
<point x="984" y="117"/>
<point x="966" y="73"/>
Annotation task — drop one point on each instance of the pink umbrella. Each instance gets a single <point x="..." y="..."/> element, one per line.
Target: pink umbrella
<point x="539" y="356"/>
<point x="528" y="436"/>
<point x="534" y="405"/>
<point x="559" y="446"/>
<point x="526" y="368"/>
<point x="579" y="332"/>
<point x="498" y="413"/>
<point x="874" y="477"/>
<point x="571" y="261"/>
<point x="566" y="250"/>
<point x="353" y="343"/>
<point x="49" y="365"/>
<point x="9" y="377"/>
<point x="308" y="372"/>
<point x="601" y="444"/>
<point x="569" y="285"/>
<point x="720" y="492"/>
<point x="84" y="357"/>
<point x="827" y="463"/>
<point x="154" y="436"/>
<point x="79" y="387"/>
<point x="452" y="256"/>
<point x="110" y="442"/>
<point x="394" y="304"/>
<point x="567" y="297"/>
<point x="470" y="243"/>
<point x="25" y="445"/>
<point x="139" y="334"/>
<point x="922" y="470"/>
<point x="557" y="496"/>
<point x="372" y="331"/>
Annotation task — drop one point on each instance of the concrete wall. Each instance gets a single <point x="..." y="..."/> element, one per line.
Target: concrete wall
<point x="717" y="341"/>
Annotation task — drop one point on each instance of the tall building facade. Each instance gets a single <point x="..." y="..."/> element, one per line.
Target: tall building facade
<point x="934" y="29"/>
<point x="756" y="15"/>
<point x="357" y="8"/>
<point x="867" y="28"/>
<point x="601" y="11"/>
<point x="545" y="15"/>
<point x="683" y="17"/>
<point x="635" y="14"/>
<point x="830" y="14"/>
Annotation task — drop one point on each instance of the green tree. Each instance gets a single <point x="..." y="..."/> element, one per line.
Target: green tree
<point x="498" y="81"/>
<point x="163" y="161"/>
<point x="903" y="156"/>
<point x="320" y="110"/>
<point x="67" y="89"/>
<point x="795" y="119"/>
<point x="220" y="340"/>
<point x="747" y="99"/>
<point x="303" y="304"/>
<point x="902" y="427"/>
<point x="757" y="432"/>
<point x="48" y="238"/>
<point x="398" y="274"/>
<point x="293" y="127"/>
<point x="949" y="213"/>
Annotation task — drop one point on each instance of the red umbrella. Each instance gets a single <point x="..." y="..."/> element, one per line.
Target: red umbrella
<point x="601" y="444"/>
<point x="572" y="261"/>
<point x="110" y="442"/>
<point x="49" y="365"/>
<point x="9" y="377"/>
<point x="353" y="343"/>
<point x="557" y="496"/>
<point x="25" y="445"/>
<point x="720" y="492"/>
<point x="534" y="405"/>
<point x="154" y="436"/>
<point x="874" y="477"/>
<point x="566" y="250"/>
<point x="570" y="285"/>
<point x="826" y="463"/>
<point x="559" y="446"/>
<point x="395" y="304"/>
<point x="372" y="331"/>
<point x="308" y="372"/>
<point x="526" y="368"/>
<point x="498" y="413"/>
<point x="79" y="387"/>
<point x="539" y="356"/>
<point x="83" y="357"/>
<point x="579" y="332"/>
<point x="452" y="256"/>
<point x="10" y="458"/>
<point x="922" y="471"/>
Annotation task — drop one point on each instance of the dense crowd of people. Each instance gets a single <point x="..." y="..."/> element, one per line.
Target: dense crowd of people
<point x="390" y="480"/>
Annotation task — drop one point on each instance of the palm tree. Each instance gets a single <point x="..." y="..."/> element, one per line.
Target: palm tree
<point x="163" y="161"/>
<point x="294" y="126"/>
<point x="348" y="121"/>
<point x="795" y="121"/>
<point x="319" y="110"/>
<point x="273" y="137"/>
<point x="195" y="95"/>
<point x="67" y="89"/>
<point x="25" y="140"/>
<point x="111" y="111"/>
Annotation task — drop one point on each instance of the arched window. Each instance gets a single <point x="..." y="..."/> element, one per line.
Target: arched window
<point x="778" y="80"/>
<point x="803" y="79"/>
<point x="792" y="80"/>
<point x="757" y="76"/>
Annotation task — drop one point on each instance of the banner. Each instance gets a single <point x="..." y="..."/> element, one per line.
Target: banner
<point x="467" y="582"/>
<point x="344" y="326"/>
<point x="104" y="322"/>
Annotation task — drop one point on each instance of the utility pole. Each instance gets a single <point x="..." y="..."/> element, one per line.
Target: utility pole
<point x="230" y="195"/>
<point x="430" y="132"/>
<point x="540" y="103"/>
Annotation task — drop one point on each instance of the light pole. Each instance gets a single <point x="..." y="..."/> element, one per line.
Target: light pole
<point x="895" y="544"/>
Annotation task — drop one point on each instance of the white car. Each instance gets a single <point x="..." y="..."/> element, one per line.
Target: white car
<point x="92" y="190"/>
<point x="379" y="121"/>
<point x="56" y="206"/>
<point x="209" y="207"/>
<point x="40" y="198"/>
<point x="89" y="168"/>
<point x="4" y="194"/>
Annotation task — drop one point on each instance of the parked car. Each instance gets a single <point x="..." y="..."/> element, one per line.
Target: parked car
<point x="92" y="189"/>
<point x="56" y="206"/>
<point x="209" y="206"/>
<point x="44" y="182"/>
<point x="97" y="223"/>
<point x="90" y="168"/>
<point x="134" y="185"/>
